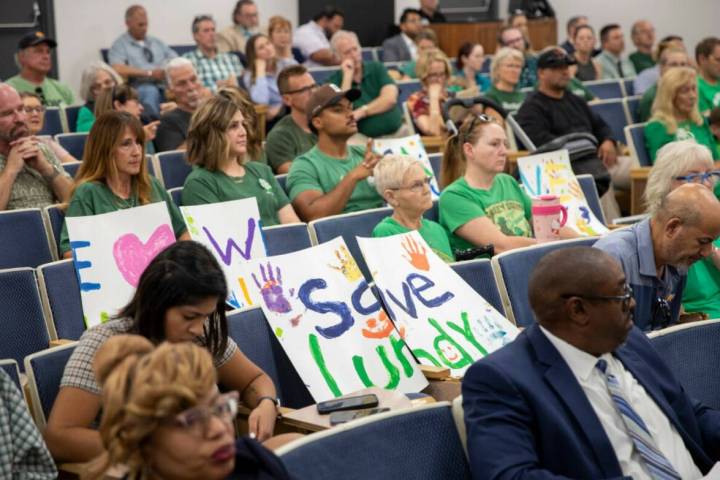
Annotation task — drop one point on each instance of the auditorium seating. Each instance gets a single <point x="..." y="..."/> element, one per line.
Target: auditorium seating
<point x="613" y="112"/>
<point x="44" y="371"/>
<point x="71" y="168"/>
<point x="478" y="273"/>
<point x="321" y="74"/>
<point x="74" y="143"/>
<point x="62" y="304"/>
<point x="587" y="184"/>
<point x="631" y="105"/>
<point x="281" y="239"/>
<point x="23" y="239"/>
<point x="635" y="138"/>
<point x="171" y="168"/>
<point x="605" y="89"/>
<point x="71" y="115"/>
<point x="10" y="367"/>
<point x="53" y="122"/>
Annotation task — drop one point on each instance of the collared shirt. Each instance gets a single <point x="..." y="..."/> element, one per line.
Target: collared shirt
<point x="633" y="247"/>
<point x="210" y="70"/>
<point x="30" y="189"/>
<point x="310" y="38"/>
<point x="593" y="383"/>
<point x="646" y="79"/>
<point x="131" y="52"/>
<point x="412" y="48"/>
<point x="609" y="64"/>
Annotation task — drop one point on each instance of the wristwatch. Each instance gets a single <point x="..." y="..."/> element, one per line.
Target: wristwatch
<point x="276" y="401"/>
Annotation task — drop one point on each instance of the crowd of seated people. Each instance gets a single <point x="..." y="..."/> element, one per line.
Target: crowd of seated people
<point x="209" y="103"/>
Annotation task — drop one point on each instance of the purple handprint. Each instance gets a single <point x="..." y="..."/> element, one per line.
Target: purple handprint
<point x="271" y="289"/>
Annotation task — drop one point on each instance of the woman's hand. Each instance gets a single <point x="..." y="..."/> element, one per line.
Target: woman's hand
<point x="260" y="67"/>
<point x="150" y="130"/>
<point x="261" y="422"/>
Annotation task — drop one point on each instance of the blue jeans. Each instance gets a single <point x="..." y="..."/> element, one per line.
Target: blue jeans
<point x="150" y="97"/>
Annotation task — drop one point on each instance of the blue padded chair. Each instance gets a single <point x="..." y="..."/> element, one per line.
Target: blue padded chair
<point x="631" y="108"/>
<point x="171" y="168"/>
<point x="54" y="219"/>
<point x="421" y="443"/>
<point x="605" y="89"/>
<point x="613" y="112"/>
<point x="512" y="270"/>
<point x="635" y="137"/>
<point x="60" y="293"/>
<point x="629" y="86"/>
<point x="281" y="239"/>
<point x="690" y="350"/>
<point x="587" y="184"/>
<point x="71" y="116"/>
<point x="435" y="163"/>
<point x="368" y="54"/>
<point x="434" y="212"/>
<point x="21" y="315"/>
<point x="149" y="163"/>
<point x="71" y="168"/>
<point x="183" y="49"/>
<point x="44" y="370"/>
<point x="24" y="241"/>
<point x="176" y="195"/>
<point x="74" y="143"/>
<point x="251" y="331"/>
<point x="298" y="55"/>
<point x="282" y="180"/>
<point x="10" y="367"/>
<point x="380" y="52"/>
<point x="478" y="273"/>
<point x="406" y="89"/>
<point x="348" y="226"/>
<point x="321" y="74"/>
<point x="53" y="122"/>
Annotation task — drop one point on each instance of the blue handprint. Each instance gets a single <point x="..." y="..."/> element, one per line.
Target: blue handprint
<point x="272" y="290"/>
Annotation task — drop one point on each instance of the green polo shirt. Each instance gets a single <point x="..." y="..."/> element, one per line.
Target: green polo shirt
<point x="54" y="92"/>
<point x="433" y="233"/>
<point x="656" y="136"/>
<point x="286" y="141"/>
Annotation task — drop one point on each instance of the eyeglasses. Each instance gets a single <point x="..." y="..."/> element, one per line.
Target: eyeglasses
<point x="624" y="299"/>
<point x="307" y="88"/>
<point x="148" y="54"/>
<point x="661" y="313"/>
<point x="416" y="187"/>
<point x="436" y="76"/>
<point x="196" y="420"/>
<point x="39" y="92"/>
<point x="39" y="109"/>
<point x="712" y="177"/>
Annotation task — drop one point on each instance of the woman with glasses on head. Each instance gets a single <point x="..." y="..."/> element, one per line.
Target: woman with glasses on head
<point x="180" y="298"/>
<point x="425" y="106"/>
<point x="507" y="63"/>
<point x="405" y="185"/>
<point x="688" y="162"/>
<point x="35" y="111"/>
<point x="675" y="114"/>
<point x="124" y="98"/>
<point x="96" y="78"/>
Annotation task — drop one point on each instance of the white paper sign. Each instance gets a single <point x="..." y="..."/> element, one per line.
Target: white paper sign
<point x="330" y="324"/>
<point x="111" y="250"/>
<point x="231" y="231"/>
<point x="443" y="320"/>
<point x="550" y="173"/>
<point x="413" y="147"/>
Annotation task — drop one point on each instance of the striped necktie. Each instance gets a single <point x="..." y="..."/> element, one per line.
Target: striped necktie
<point x="655" y="462"/>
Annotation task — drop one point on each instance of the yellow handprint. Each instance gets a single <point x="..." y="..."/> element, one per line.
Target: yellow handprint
<point x="347" y="266"/>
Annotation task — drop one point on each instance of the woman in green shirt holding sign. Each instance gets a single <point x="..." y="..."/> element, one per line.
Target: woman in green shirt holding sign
<point x="217" y="145"/>
<point x="675" y="114"/>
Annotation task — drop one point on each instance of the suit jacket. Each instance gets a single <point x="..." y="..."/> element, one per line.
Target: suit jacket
<point x="395" y="50"/>
<point x="528" y="417"/>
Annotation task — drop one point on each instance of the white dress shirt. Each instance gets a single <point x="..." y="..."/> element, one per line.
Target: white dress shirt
<point x="593" y="383"/>
<point x="412" y="48"/>
<point x="310" y="38"/>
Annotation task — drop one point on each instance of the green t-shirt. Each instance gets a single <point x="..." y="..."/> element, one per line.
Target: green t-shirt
<point x="85" y="120"/>
<point x="94" y="198"/>
<point x="314" y="170"/>
<point x="505" y="204"/>
<point x="702" y="289"/>
<point x="374" y="78"/>
<point x="408" y="68"/>
<point x="203" y="186"/>
<point x="433" y="233"/>
<point x="657" y="136"/>
<point x="708" y="95"/>
<point x="286" y="141"/>
<point x="645" y="104"/>
<point x="510" y="101"/>
<point x="641" y="61"/>
<point x="54" y="92"/>
<point x="576" y="86"/>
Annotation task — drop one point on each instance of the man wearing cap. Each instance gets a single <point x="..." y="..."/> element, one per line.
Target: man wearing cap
<point x="33" y="58"/>
<point x="331" y="178"/>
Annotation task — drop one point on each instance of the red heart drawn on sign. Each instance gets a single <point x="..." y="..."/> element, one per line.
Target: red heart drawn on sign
<point x="132" y="256"/>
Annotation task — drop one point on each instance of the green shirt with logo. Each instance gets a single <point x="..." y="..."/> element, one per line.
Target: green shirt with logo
<point x="510" y="101"/>
<point x="656" y="136"/>
<point x="708" y="95"/>
<point x="433" y="233"/>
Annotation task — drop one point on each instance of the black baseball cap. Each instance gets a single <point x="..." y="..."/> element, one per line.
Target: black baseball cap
<point x="555" y="58"/>
<point x="35" y="38"/>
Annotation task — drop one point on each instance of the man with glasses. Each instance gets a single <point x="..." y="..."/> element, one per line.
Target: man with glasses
<point x="215" y="69"/>
<point x="331" y="178"/>
<point x="401" y="47"/>
<point x="33" y="58"/>
<point x="30" y="174"/>
<point x="707" y="55"/>
<point x="245" y="20"/>
<point x="513" y="38"/>
<point x="291" y="135"/>
<point x="657" y="252"/>
<point x="140" y="58"/>
<point x="582" y="393"/>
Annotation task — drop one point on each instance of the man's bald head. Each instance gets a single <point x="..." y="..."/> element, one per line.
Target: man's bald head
<point x="12" y="116"/>
<point x="692" y="203"/>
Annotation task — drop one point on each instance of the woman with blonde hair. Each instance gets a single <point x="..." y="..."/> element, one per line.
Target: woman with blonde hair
<point x="217" y="145"/>
<point x="96" y="78"/>
<point x="675" y="114"/>
<point x="425" y="106"/>
<point x="113" y="175"/>
<point x="405" y="185"/>
<point x="505" y="69"/>
<point x="163" y="416"/>
<point x="280" y="34"/>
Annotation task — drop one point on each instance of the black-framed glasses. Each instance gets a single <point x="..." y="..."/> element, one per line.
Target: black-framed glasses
<point x="416" y="187"/>
<point x="310" y="88"/>
<point x="39" y="92"/>
<point x="148" y="54"/>
<point x="712" y="177"/>
<point x="661" y="313"/>
<point x="625" y="299"/>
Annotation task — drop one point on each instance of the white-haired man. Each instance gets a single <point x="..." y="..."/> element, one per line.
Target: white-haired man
<point x="183" y="83"/>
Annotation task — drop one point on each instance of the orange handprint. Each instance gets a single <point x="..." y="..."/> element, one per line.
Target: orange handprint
<point x="381" y="327"/>
<point x="417" y="256"/>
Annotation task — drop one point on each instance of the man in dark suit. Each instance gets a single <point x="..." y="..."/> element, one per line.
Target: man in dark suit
<point x="401" y="47"/>
<point x="582" y="393"/>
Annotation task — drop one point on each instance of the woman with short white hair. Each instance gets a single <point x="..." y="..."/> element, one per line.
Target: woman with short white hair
<point x="689" y="162"/>
<point x="505" y="69"/>
<point x="405" y="185"/>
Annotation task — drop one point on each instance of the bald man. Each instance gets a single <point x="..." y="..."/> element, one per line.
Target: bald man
<point x="643" y="36"/>
<point x="541" y="407"/>
<point x="656" y="253"/>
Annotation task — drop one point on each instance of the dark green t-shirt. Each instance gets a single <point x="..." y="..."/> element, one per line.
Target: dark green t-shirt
<point x="641" y="61"/>
<point x="504" y="203"/>
<point x="433" y="233"/>
<point x="286" y="141"/>
<point x="314" y="170"/>
<point x="203" y="186"/>
<point x="510" y="101"/>
<point x="374" y="78"/>
<point x="94" y="198"/>
<point x="576" y="86"/>
<point x="656" y="136"/>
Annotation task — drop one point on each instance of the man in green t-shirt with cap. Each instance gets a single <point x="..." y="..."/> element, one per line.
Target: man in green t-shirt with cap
<point x="331" y="178"/>
<point x="707" y="55"/>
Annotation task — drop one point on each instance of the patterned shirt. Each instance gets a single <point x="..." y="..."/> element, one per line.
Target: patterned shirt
<point x="78" y="371"/>
<point x="23" y="453"/>
<point x="30" y="189"/>
<point x="210" y="70"/>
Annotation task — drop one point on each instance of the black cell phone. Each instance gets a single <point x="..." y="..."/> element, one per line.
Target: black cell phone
<point x="349" y="403"/>
<point x="337" y="418"/>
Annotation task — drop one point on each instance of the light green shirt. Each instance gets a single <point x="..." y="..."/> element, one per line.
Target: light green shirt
<point x="54" y="92"/>
<point x="433" y="233"/>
